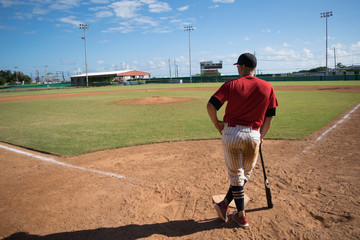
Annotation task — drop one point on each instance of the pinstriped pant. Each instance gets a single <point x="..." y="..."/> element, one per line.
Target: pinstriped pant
<point x="241" y="150"/>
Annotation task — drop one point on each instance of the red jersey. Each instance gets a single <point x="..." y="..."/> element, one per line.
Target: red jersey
<point x="248" y="100"/>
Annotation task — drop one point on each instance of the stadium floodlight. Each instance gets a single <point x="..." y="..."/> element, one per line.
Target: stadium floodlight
<point x="85" y="26"/>
<point x="189" y="28"/>
<point x="326" y="15"/>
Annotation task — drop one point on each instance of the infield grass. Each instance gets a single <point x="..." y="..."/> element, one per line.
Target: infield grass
<point x="76" y="125"/>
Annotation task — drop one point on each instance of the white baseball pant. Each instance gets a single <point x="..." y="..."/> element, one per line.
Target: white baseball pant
<point x="241" y="150"/>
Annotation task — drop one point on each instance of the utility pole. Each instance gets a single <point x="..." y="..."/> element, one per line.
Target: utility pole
<point x="334" y="60"/>
<point x="85" y="26"/>
<point x="170" y="68"/>
<point x="326" y="15"/>
<point x="176" y="68"/>
<point x="37" y="78"/>
<point x="46" y="74"/>
<point x="189" y="28"/>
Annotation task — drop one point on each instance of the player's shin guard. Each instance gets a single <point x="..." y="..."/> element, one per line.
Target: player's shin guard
<point x="239" y="195"/>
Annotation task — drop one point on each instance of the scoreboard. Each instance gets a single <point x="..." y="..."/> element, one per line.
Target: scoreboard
<point x="210" y="65"/>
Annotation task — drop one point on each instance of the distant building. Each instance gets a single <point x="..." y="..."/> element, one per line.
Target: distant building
<point x="107" y="78"/>
<point x="349" y="68"/>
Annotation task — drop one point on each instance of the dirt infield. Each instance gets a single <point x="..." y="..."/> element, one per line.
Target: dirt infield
<point x="166" y="191"/>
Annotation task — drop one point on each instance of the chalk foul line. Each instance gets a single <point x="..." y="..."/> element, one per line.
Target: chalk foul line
<point x="339" y="122"/>
<point x="334" y="126"/>
<point x="51" y="160"/>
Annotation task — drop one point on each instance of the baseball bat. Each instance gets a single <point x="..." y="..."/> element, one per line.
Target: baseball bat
<point x="267" y="187"/>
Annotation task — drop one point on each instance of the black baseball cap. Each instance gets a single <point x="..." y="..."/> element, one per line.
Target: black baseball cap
<point x="247" y="60"/>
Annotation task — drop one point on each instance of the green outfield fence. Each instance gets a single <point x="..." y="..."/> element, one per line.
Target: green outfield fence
<point x="34" y="86"/>
<point x="270" y="78"/>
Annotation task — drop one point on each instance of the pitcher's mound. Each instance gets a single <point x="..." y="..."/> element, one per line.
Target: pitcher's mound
<point x="154" y="100"/>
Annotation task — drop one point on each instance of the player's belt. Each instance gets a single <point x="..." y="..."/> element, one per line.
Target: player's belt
<point x="234" y="125"/>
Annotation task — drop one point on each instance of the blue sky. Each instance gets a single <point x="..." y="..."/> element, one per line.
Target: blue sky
<point x="286" y="35"/>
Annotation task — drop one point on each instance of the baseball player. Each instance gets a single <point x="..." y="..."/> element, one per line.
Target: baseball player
<point x="251" y="106"/>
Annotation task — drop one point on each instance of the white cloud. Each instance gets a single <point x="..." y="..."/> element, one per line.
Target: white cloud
<point x="246" y="39"/>
<point x="98" y="8"/>
<point x="9" y="3"/>
<point x="162" y="30"/>
<point x="308" y="53"/>
<point x="126" y="9"/>
<point x="223" y="1"/>
<point x="100" y="1"/>
<point x="159" y="7"/>
<point x="175" y="21"/>
<point x="269" y="49"/>
<point x="356" y="46"/>
<point x="70" y="20"/>
<point x="343" y="53"/>
<point x="266" y="30"/>
<point x="145" y="20"/>
<point x="39" y="11"/>
<point x="148" y="1"/>
<point x="100" y="62"/>
<point x="214" y="6"/>
<point x="184" y="8"/>
<point x="125" y="28"/>
<point x="130" y="9"/>
<point x="64" y="4"/>
<point x="104" y="14"/>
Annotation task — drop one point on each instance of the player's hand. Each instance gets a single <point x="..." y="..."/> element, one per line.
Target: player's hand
<point x="220" y="126"/>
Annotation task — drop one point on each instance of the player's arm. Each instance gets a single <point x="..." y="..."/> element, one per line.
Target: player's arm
<point x="269" y="115"/>
<point x="212" y="107"/>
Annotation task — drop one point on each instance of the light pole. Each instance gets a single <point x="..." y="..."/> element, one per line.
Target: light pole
<point x="326" y="15"/>
<point x="189" y="28"/>
<point x="85" y="26"/>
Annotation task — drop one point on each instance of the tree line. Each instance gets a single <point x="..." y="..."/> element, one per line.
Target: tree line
<point x="339" y="66"/>
<point x="12" y="78"/>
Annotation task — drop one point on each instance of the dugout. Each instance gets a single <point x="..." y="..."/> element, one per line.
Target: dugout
<point x="108" y="78"/>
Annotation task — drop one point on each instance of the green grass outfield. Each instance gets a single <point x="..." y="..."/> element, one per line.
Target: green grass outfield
<point x="76" y="125"/>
